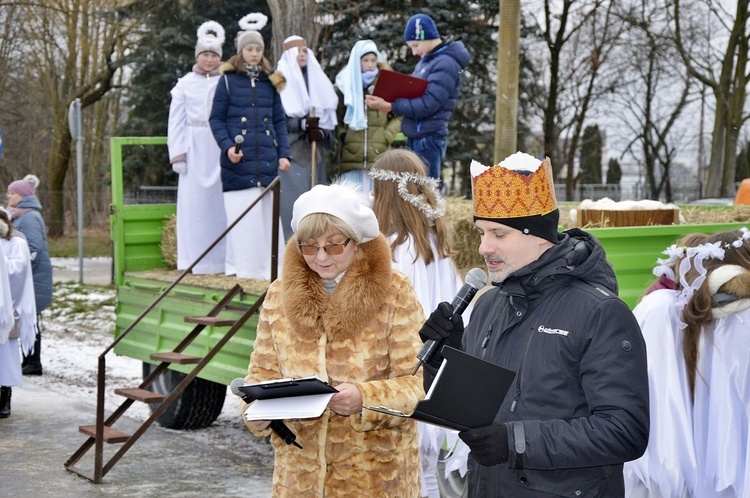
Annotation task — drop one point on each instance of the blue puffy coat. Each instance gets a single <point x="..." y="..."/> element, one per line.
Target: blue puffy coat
<point x="428" y="115"/>
<point x="31" y="225"/>
<point x="265" y="138"/>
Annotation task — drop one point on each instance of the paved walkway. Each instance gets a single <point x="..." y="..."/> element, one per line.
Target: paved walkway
<point x="41" y="434"/>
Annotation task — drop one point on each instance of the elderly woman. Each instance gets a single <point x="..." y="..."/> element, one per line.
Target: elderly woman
<point x="341" y="313"/>
<point x="26" y="215"/>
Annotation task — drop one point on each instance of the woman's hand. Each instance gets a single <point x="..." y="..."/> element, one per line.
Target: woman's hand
<point x="233" y="156"/>
<point x="284" y="164"/>
<point x="258" y="425"/>
<point x="347" y="401"/>
<point x="378" y="103"/>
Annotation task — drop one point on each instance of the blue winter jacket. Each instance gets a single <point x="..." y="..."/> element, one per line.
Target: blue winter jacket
<point x="264" y="131"/>
<point x="31" y="225"/>
<point x="428" y="115"/>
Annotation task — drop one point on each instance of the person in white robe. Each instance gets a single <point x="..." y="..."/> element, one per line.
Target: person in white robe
<point x="194" y="156"/>
<point x="409" y="210"/>
<point x="307" y="92"/>
<point x="698" y="339"/>
<point x="17" y="289"/>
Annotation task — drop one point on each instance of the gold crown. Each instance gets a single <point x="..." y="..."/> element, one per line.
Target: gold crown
<point x="500" y="192"/>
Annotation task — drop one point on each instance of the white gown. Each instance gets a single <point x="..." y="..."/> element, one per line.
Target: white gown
<point x="434" y="283"/>
<point x="21" y="286"/>
<point x="696" y="449"/>
<point x="200" y="205"/>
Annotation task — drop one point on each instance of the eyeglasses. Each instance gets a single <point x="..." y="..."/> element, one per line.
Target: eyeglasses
<point x="330" y="249"/>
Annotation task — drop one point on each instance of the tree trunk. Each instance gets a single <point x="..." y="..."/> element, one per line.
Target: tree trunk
<point x="292" y="17"/>
<point x="506" y="97"/>
<point x="57" y="168"/>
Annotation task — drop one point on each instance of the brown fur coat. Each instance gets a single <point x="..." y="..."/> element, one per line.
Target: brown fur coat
<point x="365" y="333"/>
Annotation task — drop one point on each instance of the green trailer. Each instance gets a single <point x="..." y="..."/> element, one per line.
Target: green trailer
<point x="136" y="231"/>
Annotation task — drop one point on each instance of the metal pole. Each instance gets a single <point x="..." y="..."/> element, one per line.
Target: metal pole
<point x="79" y="180"/>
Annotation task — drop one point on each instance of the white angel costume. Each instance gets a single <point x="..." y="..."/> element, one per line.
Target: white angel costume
<point x="194" y="155"/>
<point x="697" y="448"/>
<point x="17" y="264"/>
<point x="302" y="93"/>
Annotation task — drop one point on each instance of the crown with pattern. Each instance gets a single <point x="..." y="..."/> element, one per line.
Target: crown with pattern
<point x="518" y="192"/>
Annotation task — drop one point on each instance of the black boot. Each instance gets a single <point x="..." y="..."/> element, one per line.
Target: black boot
<point x="5" y="402"/>
<point x="32" y="364"/>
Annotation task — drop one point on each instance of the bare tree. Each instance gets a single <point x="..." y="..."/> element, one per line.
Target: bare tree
<point x="724" y="72"/>
<point x="73" y="50"/>
<point x="654" y="96"/>
<point x="579" y="36"/>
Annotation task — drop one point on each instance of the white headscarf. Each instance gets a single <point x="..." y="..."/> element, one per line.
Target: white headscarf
<point x="349" y="82"/>
<point x="296" y="99"/>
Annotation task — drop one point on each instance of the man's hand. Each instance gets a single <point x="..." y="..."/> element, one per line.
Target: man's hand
<point x="489" y="444"/>
<point x="284" y="164"/>
<point x="443" y="326"/>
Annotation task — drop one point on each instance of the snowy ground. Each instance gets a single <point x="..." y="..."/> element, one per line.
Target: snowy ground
<point x="77" y="328"/>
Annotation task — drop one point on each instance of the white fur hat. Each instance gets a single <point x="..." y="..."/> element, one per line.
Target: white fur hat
<point x="344" y="201"/>
<point x="210" y="38"/>
<point x="251" y="25"/>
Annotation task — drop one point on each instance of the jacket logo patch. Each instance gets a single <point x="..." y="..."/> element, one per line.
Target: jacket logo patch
<point x="548" y="330"/>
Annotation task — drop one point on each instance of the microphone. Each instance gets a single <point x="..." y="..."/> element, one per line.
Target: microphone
<point x="475" y="280"/>
<point x="277" y="426"/>
<point x="238" y="139"/>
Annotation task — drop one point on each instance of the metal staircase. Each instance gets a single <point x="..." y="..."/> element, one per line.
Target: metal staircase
<point x="103" y="430"/>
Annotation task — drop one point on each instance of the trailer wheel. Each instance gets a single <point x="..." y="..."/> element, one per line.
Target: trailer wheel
<point x="198" y="406"/>
<point x="453" y="485"/>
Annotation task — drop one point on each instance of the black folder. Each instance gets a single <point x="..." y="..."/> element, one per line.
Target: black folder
<point x="287" y="388"/>
<point x="467" y="393"/>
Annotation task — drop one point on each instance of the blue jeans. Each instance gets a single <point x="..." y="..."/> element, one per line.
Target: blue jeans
<point x="431" y="150"/>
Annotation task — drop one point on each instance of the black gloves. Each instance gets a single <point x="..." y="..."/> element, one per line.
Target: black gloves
<point x="314" y="133"/>
<point x="443" y="326"/>
<point x="489" y="444"/>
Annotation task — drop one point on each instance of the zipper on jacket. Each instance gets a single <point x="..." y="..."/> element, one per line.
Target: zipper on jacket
<point x="486" y="340"/>
<point x="520" y="371"/>
<point x="257" y="134"/>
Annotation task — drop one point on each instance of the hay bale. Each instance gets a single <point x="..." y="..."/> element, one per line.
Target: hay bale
<point x="169" y="242"/>
<point x="459" y="214"/>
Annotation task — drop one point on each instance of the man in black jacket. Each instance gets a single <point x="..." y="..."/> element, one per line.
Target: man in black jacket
<point x="578" y="408"/>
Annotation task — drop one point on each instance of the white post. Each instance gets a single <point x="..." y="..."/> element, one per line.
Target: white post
<point x="74" y="122"/>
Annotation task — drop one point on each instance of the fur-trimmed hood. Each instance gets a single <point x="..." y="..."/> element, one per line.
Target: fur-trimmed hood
<point x="355" y="301"/>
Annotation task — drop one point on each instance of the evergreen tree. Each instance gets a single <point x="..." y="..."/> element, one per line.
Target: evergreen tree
<point x="591" y="156"/>
<point x="166" y="53"/>
<point x="614" y="172"/>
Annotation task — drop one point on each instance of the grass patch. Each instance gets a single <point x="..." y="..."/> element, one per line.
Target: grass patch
<point x="96" y="243"/>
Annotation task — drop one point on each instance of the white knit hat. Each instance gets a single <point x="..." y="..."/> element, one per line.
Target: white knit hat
<point x="210" y="38"/>
<point x="251" y="25"/>
<point x="343" y="200"/>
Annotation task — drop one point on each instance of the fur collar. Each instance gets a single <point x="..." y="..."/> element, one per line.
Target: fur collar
<point x="357" y="298"/>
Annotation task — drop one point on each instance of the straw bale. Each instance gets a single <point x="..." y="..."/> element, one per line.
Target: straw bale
<point x="169" y="242"/>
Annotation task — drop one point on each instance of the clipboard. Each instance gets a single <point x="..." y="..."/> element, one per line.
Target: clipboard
<point x="288" y="388"/>
<point x="392" y="85"/>
<point x="467" y="393"/>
